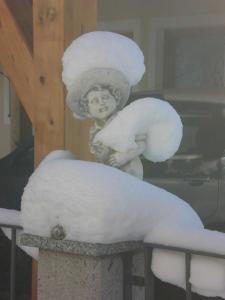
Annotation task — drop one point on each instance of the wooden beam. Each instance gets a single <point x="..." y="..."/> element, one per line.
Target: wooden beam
<point x="48" y="28"/>
<point x="81" y="17"/>
<point x="16" y="58"/>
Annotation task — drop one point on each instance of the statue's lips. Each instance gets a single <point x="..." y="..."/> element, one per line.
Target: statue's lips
<point x="103" y="109"/>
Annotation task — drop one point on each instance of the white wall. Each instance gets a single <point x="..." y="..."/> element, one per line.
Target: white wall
<point x="4" y="122"/>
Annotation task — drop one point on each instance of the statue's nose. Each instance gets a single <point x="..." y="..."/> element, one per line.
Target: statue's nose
<point x="102" y="100"/>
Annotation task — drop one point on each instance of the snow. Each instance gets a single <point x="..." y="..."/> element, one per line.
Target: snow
<point x="100" y="204"/>
<point x="10" y="217"/>
<point x="102" y="49"/>
<point x="58" y="154"/>
<point x="13" y="217"/>
<point x="155" y="118"/>
<point x="207" y="274"/>
<point x="96" y="203"/>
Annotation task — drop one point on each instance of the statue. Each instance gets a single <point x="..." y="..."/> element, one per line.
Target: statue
<point x="99" y="69"/>
<point x="101" y="101"/>
<point x="101" y="104"/>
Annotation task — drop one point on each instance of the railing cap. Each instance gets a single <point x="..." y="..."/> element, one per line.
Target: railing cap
<point x="81" y="248"/>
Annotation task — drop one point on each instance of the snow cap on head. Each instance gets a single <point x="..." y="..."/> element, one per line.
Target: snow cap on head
<point x="101" y="58"/>
<point x="102" y="49"/>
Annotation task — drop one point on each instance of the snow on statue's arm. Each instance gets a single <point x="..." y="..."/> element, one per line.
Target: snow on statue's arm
<point x="154" y="120"/>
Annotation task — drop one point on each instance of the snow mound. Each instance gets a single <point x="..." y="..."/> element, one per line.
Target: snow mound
<point x="155" y="118"/>
<point x="100" y="204"/>
<point x="10" y="217"/>
<point x="96" y="203"/>
<point x="102" y="49"/>
<point x="58" y="154"/>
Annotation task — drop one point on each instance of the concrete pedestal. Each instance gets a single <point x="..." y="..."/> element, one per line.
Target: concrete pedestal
<point x="66" y="276"/>
<point x="80" y="271"/>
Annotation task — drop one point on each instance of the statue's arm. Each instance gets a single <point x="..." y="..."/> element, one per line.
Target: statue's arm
<point x="101" y="152"/>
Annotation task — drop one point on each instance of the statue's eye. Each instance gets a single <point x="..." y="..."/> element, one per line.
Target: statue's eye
<point x="95" y="100"/>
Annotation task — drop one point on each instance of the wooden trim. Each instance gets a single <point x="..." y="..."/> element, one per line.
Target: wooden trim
<point x="34" y="283"/>
<point x="16" y="58"/>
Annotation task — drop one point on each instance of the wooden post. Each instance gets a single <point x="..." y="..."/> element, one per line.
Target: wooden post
<point x="37" y="77"/>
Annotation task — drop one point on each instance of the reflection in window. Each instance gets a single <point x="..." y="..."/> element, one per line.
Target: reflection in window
<point x="194" y="58"/>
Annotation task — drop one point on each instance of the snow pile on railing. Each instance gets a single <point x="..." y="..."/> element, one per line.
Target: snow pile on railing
<point x="12" y="218"/>
<point x="97" y="203"/>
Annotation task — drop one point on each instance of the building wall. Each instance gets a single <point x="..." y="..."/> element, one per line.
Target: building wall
<point x="122" y="9"/>
<point x="144" y="13"/>
<point x="5" y="139"/>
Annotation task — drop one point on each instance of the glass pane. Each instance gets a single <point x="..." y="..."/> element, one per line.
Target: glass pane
<point x="198" y="58"/>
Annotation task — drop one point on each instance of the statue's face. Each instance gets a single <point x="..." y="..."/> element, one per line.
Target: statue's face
<point x="101" y="104"/>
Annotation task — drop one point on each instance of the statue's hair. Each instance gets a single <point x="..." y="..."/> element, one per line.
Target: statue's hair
<point x="113" y="91"/>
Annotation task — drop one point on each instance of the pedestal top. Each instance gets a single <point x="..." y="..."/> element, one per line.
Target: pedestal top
<point x="82" y="248"/>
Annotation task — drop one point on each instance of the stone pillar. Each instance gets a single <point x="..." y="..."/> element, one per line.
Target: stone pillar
<point x="80" y="271"/>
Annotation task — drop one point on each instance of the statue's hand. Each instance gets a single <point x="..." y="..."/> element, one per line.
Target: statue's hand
<point x="97" y="147"/>
<point x="100" y="151"/>
<point x="118" y="159"/>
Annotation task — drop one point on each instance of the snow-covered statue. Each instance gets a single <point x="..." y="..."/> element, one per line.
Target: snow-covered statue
<point x="92" y="202"/>
<point x="99" y="69"/>
<point x="106" y="65"/>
